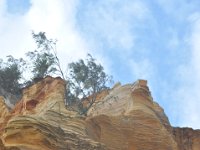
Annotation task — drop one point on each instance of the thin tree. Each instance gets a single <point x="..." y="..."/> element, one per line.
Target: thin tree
<point x="86" y="80"/>
<point x="44" y="60"/>
<point x="10" y="74"/>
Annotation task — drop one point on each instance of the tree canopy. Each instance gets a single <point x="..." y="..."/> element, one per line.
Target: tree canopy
<point x="10" y="74"/>
<point x="86" y="78"/>
<point x="43" y="61"/>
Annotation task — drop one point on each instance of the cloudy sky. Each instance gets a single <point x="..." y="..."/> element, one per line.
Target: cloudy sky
<point x="157" y="40"/>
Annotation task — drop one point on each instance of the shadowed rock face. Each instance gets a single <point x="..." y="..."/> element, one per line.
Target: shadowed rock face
<point x="10" y="99"/>
<point x="123" y="118"/>
<point x="187" y="138"/>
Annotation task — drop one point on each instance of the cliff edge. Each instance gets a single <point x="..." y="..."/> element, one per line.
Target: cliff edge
<point x="123" y="118"/>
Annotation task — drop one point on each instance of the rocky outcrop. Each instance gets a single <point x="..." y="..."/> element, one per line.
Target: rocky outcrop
<point x="187" y="138"/>
<point x="9" y="98"/>
<point x="41" y="121"/>
<point x="127" y="118"/>
<point x="123" y="118"/>
<point x="4" y="109"/>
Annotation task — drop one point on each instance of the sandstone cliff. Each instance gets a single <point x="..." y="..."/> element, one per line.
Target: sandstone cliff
<point x="187" y="138"/>
<point x="123" y="118"/>
<point x="10" y="99"/>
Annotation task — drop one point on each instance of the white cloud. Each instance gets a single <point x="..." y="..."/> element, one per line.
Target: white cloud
<point x="142" y="69"/>
<point x="187" y="96"/>
<point x="179" y="9"/>
<point x="195" y="43"/>
<point x="174" y="40"/>
<point x="113" y="22"/>
<point x="2" y="9"/>
<point x="194" y="102"/>
<point x="56" y="18"/>
<point x="110" y="26"/>
<point x="12" y="32"/>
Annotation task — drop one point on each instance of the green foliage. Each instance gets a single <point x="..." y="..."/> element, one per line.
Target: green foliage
<point x="10" y="74"/>
<point x="43" y="61"/>
<point x="86" y="78"/>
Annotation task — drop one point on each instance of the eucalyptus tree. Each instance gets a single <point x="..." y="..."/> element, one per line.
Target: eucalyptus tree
<point x="86" y="79"/>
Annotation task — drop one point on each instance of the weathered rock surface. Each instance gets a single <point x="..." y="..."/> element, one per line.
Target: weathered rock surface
<point x="123" y="118"/>
<point x="128" y="119"/>
<point x="187" y="138"/>
<point x="9" y="98"/>
<point x="4" y="110"/>
<point x="40" y="121"/>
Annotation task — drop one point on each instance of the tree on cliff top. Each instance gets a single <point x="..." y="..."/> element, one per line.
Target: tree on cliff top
<point x="86" y="80"/>
<point x="44" y="60"/>
<point x="10" y="74"/>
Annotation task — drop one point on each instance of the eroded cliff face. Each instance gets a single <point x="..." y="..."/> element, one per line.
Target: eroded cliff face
<point x="187" y="138"/>
<point x="40" y="121"/>
<point x="123" y="118"/>
<point x="127" y="118"/>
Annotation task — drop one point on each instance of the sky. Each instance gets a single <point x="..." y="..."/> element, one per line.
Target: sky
<point x="156" y="40"/>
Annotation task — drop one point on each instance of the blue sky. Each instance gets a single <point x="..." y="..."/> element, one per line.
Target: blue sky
<point x="157" y="40"/>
